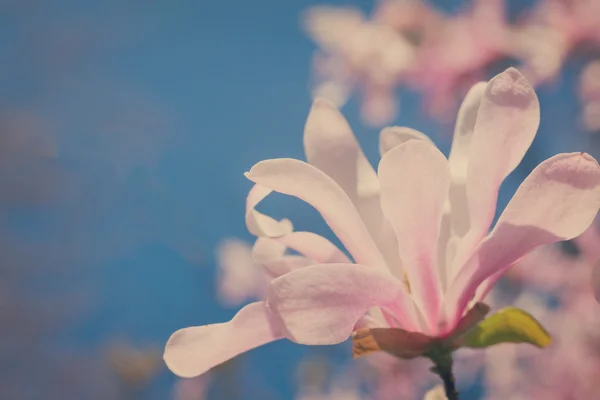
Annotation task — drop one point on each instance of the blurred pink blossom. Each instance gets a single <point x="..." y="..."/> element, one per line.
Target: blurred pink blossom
<point x="552" y="31"/>
<point x="340" y="389"/>
<point x="456" y="53"/>
<point x="410" y="44"/>
<point x="358" y="52"/>
<point x="568" y="369"/>
<point x="393" y="378"/>
<point x="240" y="278"/>
<point x="191" y="388"/>
<point x="589" y="95"/>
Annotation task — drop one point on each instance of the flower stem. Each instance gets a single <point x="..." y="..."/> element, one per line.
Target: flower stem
<point x="443" y="368"/>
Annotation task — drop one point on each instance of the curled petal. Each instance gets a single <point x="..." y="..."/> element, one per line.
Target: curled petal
<point x="557" y="201"/>
<point x="396" y="135"/>
<point x="286" y="264"/>
<point x="267" y="249"/>
<point x="315" y="247"/>
<point x="302" y="180"/>
<point x="270" y="254"/>
<point x="260" y="224"/>
<point x="415" y="178"/>
<point x="321" y="304"/>
<point x="193" y="351"/>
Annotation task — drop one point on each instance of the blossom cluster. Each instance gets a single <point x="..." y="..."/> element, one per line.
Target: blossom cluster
<point x="410" y="44"/>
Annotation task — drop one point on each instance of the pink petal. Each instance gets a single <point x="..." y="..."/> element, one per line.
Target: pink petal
<point x="270" y="254"/>
<point x="322" y="303"/>
<point x="259" y="224"/>
<point x="557" y="201"/>
<point x="285" y="264"/>
<point x="415" y="178"/>
<point x="193" y="351"/>
<point x="315" y="247"/>
<point x="302" y="180"/>
<point x="506" y="125"/>
<point x="396" y="135"/>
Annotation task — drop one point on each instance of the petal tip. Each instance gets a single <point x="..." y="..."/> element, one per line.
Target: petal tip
<point x="253" y="170"/>
<point x="511" y="86"/>
<point x="320" y="101"/>
<point x="588" y="157"/>
<point x="173" y="356"/>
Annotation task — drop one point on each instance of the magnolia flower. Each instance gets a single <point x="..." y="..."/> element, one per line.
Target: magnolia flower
<point x="416" y="231"/>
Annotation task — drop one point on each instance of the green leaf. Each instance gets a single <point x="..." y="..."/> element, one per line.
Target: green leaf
<point x="509" y="325"/>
